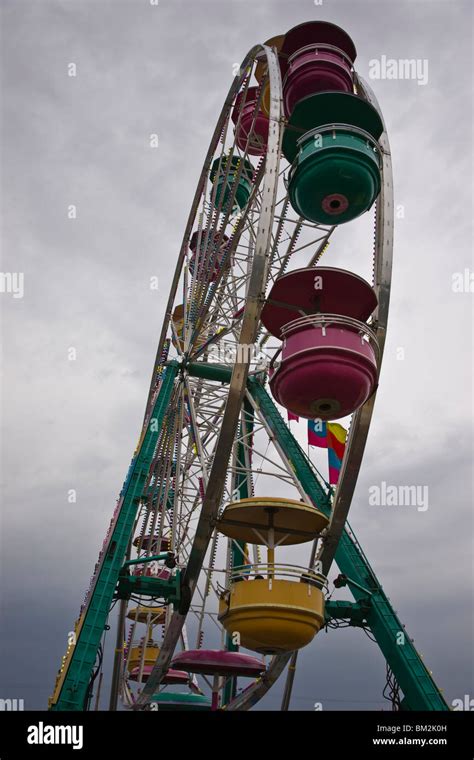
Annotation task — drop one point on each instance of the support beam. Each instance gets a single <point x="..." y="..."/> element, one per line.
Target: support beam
<point x="144" y="585"/>
<point x="73" y="681"/>
<point x="355" y="612"/>
<point x="416" y="682"/>
<point x="219" y="373"/>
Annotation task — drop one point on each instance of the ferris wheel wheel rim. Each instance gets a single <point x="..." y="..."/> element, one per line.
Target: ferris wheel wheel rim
<point x="248" y="332"/>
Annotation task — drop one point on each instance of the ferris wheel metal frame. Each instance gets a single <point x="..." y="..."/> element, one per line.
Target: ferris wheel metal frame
<point x="199" y="430"/>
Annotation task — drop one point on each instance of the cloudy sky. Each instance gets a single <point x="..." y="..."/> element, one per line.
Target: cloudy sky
<point x="84" y="140"/>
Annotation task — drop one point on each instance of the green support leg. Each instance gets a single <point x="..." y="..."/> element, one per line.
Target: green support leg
<point x="419" y="688"/>
<point x="79" y="666"/>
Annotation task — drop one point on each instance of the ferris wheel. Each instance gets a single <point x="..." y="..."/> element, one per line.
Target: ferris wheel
<point x="219" y="549"/>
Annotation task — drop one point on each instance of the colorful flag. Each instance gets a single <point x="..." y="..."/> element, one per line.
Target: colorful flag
<point x="337" y="438"/>
<point x="317" y="433"/>
<point x="336" y="442"/>
<point x="334" y="466"/>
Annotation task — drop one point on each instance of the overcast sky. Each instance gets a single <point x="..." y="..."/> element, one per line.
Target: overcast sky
<point x="84" y="141"/>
